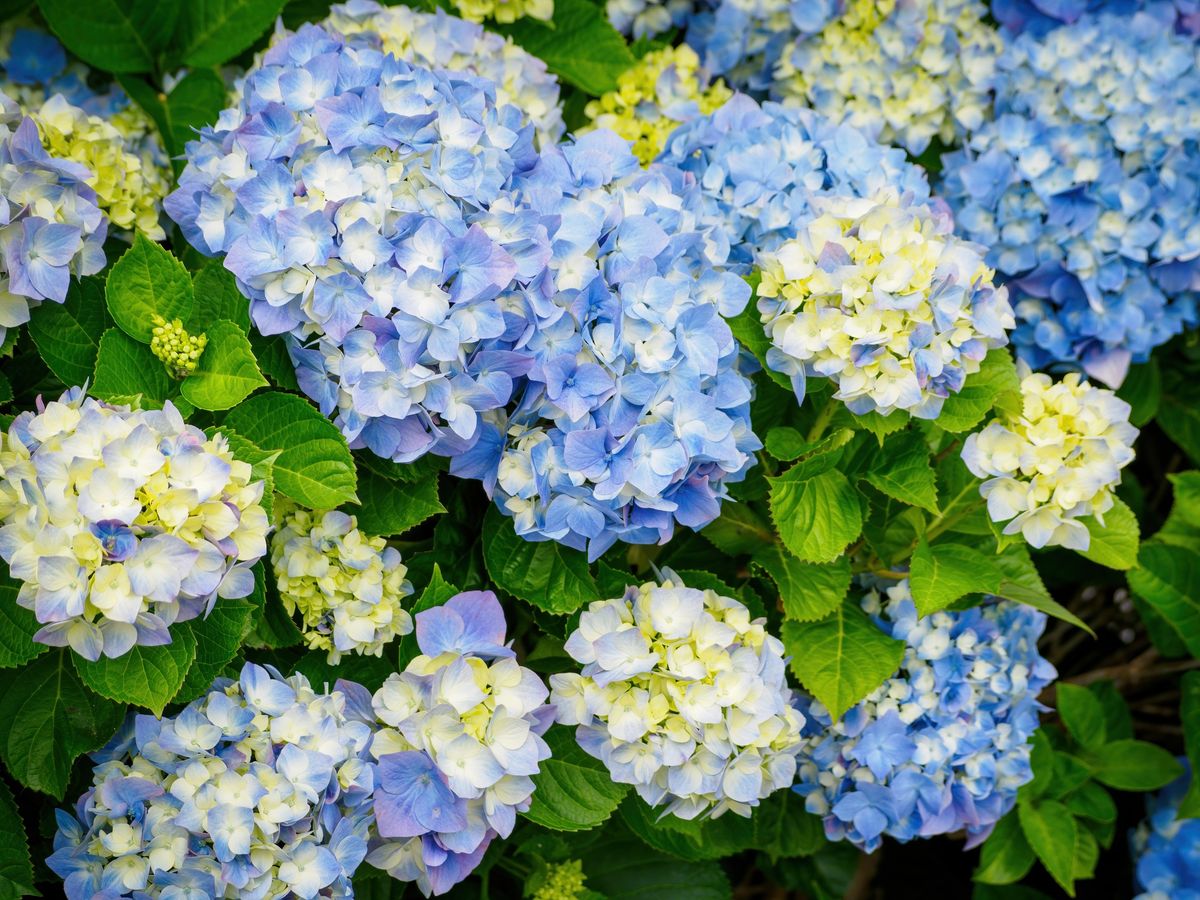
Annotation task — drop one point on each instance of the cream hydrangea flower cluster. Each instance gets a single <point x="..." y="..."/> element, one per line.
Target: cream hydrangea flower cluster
<point x="906" y="71"/>
<point x="441" y="41"/>
<point x="122" y="522"/>
<point x="346" y="585"/>
<point x="1054" y="463"/>
<point x="664" y="88"/>
<point x="684" y="696"/>
<point x="878" y="294"/>
<point x="505" y="10"/>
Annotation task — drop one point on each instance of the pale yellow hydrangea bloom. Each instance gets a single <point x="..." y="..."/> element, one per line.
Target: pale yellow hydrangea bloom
<point x="904" y="71"/>
<point x="1055" y="463"/>
<point x="564" y="881"/>
<point x="130" y="187"/>
<point x="346" y="585"/>
<point x="663" y="89"/>
<point x="505" y="10"/>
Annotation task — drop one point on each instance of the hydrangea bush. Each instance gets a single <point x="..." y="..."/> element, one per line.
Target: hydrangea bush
<point x="579" y="450"/>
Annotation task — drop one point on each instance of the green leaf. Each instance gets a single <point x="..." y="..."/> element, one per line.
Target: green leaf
<point x="1050" y="830"/>
<point x="217" y="297"/>
<point x="1021" y="582"/>
<point x="195" y="101"/>
<point x="145" y="676"/>
<point x="1070" y="772"/>
<point x="113" y="35"/>
<point x="1189" y="715"/>
<point x="902" y="470"/>
<point x="274" y="360"/>
<point x="1115" y="543"/>
<point x="1168" y="578"/>
<point x="436" y="592"/>
<point x="48" y="718"/>
<point x="1041" y="761"/>
<point x="389" y="507"/>
<point x="212" y="32"/>
<point x="578" y="45"/>
<point x="16" y="868"/>
<point x="1118" y="723"/>
<point x="816" y="517"/>
<point x="1142" y="390"/>
<point x="1086" y="854"/>
<point x="226" y="373"/>
<point x="1005" y="856"/>
<point x="747" y="328"/>
<point x="787" y="443"/>
<point x="1082" y="713"/>
<point x="620" y="867"/>
<point x="271" y="625"/>
<point x="995" y="384"/>
<point x="126" y="369"/>
<point x="67" y="334"/>
<point x="1090" y="801"/>
<point x="145" y="281"/>
<point x="1130" y="765"/>
<point x="218" y="638"/>
<point x="739" y="530"/>
<point x="1179" y="417"/>
<point x="573" y="791"/>
<point x="17" y="627"/>
<point x="314" y="466"/>
<point x="552" y="577"/>
<point x="842" y="658"/>
<point x="942" y="573"/>
<point x="807" y="591"/>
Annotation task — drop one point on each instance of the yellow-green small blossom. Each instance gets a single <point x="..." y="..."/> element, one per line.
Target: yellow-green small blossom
<point x="129" y="186"/>
<point x="505" y="10"/>
<point x="346" y="585"/>
<point x="563" y="881"/>
<point x="179" y="351"/>
<point x="665" y="88"/>
<point x="1056" y="461"/>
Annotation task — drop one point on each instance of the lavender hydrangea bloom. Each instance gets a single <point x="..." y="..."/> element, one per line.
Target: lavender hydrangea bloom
<point x="650" y="18"/>
<point x="760" y="167"/>
<point x="632" y="414"/>
<point x="1086" y="187"/>
<point x="941" y="746"/>
<point x="346" y="191"/>
<point x="51" y="227"/>
<point x="459" y="739"/>
<point x="1041" y="16"/>
<point x="262" y="787"/>
<point x="1166" y="848"/>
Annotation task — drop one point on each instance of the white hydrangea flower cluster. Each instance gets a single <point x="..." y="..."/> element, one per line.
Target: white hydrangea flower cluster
<point x="906" y="71"/>
<point x="442" y="41"/>
<point x="1056" y="462"/>
<point x="878" y="294"/>
<point x="684" y="696"/>
<point x="122" y="522"/>
<point x="346" y="585"/>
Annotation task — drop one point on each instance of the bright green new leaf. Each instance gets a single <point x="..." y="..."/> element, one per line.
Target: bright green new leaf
<point x="217" y="297"/>
<point x="552" y="577"/>
<point x="145" y="676"/>
<point x="1006" y="856"/>
<point x="1021" y="582"/>
<point x="807" y="591"/>
<point x="126" y="369"/>
<point x="1131" y="765"/>
<point x="841" y="658"/>
<point x="1091" y="801"/>
<point x="941" y="573"/>
<point x="1082" y="713"/>
<point x="1050" y="830"/>
<point x="1115" y="543"/>
<point x="67" y="334"/>
<point x="226" y="373"/>
<point x="573" y="790"/>
<point x="816" y="517"/>
<point x="145" y="281"/>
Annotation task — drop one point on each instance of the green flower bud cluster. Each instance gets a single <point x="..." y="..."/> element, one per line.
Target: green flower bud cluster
<point x="179" y="351"/>
<point x="564" y="881"/>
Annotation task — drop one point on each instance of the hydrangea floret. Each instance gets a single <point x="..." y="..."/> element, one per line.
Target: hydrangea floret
<point x="650" y="18"/>
<point x="760" y="168"/>
<point x="906" y="71"/>
<point x="662" y="89"/>
<point x="505" y="11"/>
<point x="119" y="523"/>
<point x="350" y="209"/>
<point x="1165" y="847"/>
<point x="51" y="226"/>
<point x="345" y="584"/>
<point x="1085" y="185"/>
<point x="100" y="129"/>
<point x="261" y="788"/>
<point x="459" y="741"/>
<point x="881" y="297"/>
<point x="683" y="695"/>
<point x="1039" y="17"/>
<point x="1054" y="463"/>
<point x="179" y="351"/>
<point x="942" y="745"/>
<point x="442" y="41"/>
<point x="633" y="415"/>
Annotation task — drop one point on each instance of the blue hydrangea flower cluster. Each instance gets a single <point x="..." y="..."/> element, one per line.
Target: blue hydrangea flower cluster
<point x="1166" y="848"/>
<point x="684" y="696"/>
<point x="261" y="787"/>
<point x="760" y="168"/>
<point x="459" y="742"/>
<point x="650" y="18"/>
<point x="119" y="522"/>
<point x="1041" y="16"/>
<point x="442" y="41"/>
<point x="940" y="746"/>
<point x="51" y="226"/>
<point x="345" y="191"/>
<point x="1086" y="187"/>
<point x="633" y="414"/>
